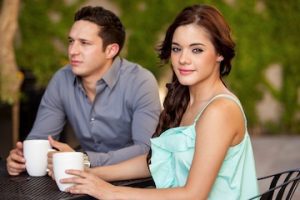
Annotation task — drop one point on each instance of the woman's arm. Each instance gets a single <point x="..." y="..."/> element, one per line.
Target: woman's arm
<point x="87" y="183"/>
<point x="134" y="168"/>
<point x="216" y="129"/>
<point x="220" y="126"/>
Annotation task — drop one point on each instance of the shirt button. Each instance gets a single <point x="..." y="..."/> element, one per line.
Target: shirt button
<point x="92" y="119"/>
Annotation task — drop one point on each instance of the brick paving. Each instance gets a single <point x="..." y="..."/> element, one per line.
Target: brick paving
<point x="275" y="154"/>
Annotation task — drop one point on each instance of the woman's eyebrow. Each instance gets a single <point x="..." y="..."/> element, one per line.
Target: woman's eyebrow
<point x="193" y="44"/>
<point x="197" y="44"/>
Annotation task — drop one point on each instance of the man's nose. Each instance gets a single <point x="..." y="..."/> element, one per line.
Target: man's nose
<point x="74" y="48"/>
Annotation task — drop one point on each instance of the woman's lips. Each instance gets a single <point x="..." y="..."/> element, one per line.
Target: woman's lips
<point x="185" y="71"/>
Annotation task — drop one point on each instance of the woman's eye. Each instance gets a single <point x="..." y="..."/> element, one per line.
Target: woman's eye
<point x="197" y="50"/>
<point x="175" y="49"/>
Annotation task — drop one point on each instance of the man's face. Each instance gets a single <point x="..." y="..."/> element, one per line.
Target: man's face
<point x="86" y="54"/>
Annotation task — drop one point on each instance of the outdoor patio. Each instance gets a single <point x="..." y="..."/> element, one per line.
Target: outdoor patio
<point x="276" y="153"/>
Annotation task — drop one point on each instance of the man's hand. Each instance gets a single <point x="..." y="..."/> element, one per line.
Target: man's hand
<point x="15" y="161"/>
<point x="59" y="146"/>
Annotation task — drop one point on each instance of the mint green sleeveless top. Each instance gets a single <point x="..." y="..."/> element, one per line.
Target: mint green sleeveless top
<point x="172" y="156"/>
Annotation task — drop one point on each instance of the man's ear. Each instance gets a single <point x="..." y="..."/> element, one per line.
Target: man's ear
<point x="112" y="50"/>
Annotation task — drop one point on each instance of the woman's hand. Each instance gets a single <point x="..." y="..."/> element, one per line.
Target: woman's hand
<point x="88" y="183"/>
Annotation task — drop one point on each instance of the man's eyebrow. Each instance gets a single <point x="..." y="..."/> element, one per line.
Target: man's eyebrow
<point x="80" y="39"/>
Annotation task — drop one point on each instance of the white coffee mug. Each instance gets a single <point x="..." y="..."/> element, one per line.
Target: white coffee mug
<point x="35" y="154"/>
<point x="63" y="161"/>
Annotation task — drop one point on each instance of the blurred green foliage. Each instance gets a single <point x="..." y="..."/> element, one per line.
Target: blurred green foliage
<point x="266" y="32"/>
<point x="41" y="46"/>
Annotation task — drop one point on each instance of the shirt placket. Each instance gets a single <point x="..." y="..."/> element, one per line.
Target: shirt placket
<point x="99" y="90"/>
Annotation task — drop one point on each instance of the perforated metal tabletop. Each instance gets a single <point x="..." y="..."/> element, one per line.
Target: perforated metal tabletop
<point x="44" y="188"/>
<point x="26" y="187"/>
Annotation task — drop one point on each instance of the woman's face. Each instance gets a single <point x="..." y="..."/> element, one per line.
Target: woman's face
<point x="193" y="56"/>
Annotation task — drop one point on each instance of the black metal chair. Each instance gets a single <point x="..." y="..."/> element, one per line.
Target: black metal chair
<point x="282" y="186"/>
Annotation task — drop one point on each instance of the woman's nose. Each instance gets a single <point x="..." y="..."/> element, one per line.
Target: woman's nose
<point x="184" y="58"/>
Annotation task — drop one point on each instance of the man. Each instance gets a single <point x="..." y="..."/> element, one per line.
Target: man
<point x="111" y="103"/>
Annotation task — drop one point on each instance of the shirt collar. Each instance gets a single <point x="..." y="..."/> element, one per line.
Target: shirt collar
<point x="112" y="75"/>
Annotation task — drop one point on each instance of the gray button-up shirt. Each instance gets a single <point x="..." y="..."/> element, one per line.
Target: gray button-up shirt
<point x="116" y="126"/>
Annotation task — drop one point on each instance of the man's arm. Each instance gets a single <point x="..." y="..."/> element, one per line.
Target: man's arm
<point x="50" y="118"/>
<point x="146" y="110"/>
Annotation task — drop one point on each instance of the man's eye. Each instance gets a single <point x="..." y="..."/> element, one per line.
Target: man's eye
<point x="85" y="43"/>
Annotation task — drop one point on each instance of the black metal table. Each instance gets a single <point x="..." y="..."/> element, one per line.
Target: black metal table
<point x="44" y="188"/>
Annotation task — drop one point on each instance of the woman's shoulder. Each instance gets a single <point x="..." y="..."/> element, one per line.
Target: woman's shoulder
<point x="222" y="105"/>
<point x="225" y="117"/>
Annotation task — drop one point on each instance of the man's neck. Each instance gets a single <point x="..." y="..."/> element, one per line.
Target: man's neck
<point x="89" y="83"/>
<point x="90" y="88"/>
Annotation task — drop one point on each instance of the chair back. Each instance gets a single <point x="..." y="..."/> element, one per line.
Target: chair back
<point x="282" y="186"/>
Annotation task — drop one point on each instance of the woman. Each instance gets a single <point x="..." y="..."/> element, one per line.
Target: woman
<point x="201" y="148"/>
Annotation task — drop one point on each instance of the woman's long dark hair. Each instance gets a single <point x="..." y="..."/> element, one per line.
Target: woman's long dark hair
<point x="177" y="97"/>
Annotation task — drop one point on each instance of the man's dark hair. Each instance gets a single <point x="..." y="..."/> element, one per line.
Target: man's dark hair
<point x="111" y="29"/>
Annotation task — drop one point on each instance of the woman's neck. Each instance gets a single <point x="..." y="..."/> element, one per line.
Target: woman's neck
<point x="203" y="93"/>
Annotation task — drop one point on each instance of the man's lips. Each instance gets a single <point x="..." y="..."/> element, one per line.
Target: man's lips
<point x="75" y="62"/>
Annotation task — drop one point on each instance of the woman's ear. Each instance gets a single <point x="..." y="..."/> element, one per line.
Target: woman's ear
<point x="112" y="50"/>
<point x="220" y="58"/>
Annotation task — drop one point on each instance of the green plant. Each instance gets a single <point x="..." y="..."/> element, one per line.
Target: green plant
<point x="41" y="46"/>
<point x="266" y="32"/>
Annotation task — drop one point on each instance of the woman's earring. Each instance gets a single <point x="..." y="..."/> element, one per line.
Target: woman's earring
<point x="220" y="59"/>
